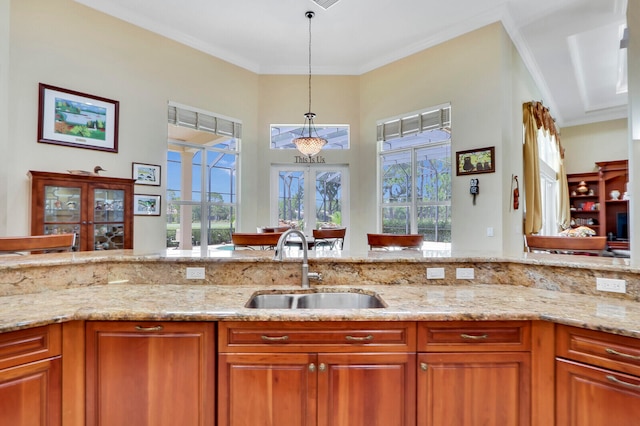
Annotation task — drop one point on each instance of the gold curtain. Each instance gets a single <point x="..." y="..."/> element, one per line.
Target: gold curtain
<point x="536" y="116"/>
<point x="532" y="196"/>
<point x="564" y="205"/>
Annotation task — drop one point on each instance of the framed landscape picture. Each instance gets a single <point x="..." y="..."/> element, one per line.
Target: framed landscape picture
<point x="481" y="160"/>
<point x="146" y="205"/>
<point x="146" y="174"/>
<point x="70" y="118"/>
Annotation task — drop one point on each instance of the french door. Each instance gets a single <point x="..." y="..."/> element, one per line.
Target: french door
<point x="310" y="196"/>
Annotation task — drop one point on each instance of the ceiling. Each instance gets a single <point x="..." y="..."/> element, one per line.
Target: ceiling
<point x="571" y="47"/>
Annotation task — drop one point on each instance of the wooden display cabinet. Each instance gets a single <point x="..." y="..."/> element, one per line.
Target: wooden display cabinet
<point x="614" y="175"/>
<point x="596" y="208"/>
<point x="585" y="206"/>
<point x="98" y="209"/>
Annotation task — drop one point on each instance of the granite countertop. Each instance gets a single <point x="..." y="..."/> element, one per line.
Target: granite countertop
<point x="142" y="302"/>
<point x="126" y="285"/>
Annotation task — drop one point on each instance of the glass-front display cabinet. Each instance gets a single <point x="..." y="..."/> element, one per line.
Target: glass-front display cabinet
<point x="98" y="209"/>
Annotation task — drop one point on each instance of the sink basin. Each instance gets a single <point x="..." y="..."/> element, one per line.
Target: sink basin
<point x="316" y="300"/>
<point x="339" y="301"/>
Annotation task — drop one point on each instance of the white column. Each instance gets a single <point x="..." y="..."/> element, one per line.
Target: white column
<point x="186" y="158"/>
<point x="633" y="68"/>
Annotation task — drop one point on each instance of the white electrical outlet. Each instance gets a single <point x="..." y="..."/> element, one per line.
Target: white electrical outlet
<point x="490" y="231"/>
<point x="195" y="273"/>
<point x="464" y="273"/>
<point x="611" y="284"/>
<point x="435" y="273"/>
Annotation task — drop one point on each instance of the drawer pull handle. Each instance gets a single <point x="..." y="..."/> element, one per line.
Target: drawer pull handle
<point x="614" y="352"/>
<point x="153" y="328"/>
<point x="472" y="337"/>
<point x="423" y="366"/>
<point x="275" y="339"/>
<point x="623" y="383"/>
<point x="366" y="338"/>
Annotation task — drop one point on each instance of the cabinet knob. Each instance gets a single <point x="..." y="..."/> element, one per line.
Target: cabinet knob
<point x="322" y="366"/>
<point x="312" y="367"/>
<point x="423" y="366"/>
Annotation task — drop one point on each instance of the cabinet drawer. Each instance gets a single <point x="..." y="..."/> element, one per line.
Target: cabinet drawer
<point x="465" y="336"/>
<point x="316" y="336"/>
<point x="598" y="348"/>
<point x="20" y="347"/>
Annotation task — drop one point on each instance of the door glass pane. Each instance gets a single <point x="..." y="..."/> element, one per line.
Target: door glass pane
<point x="433" y="177"/>
<point x="396" y="220"/>
<point x="434" y="222"/>
<point x="196" y="176"/>
<point x="221" y="176"/>
<point x="108" y="205"/>
<point x="221" y="224"/>
<point x="396" y="177"/>
<point x="291" y="198"/>
<point x="108" y="236"/>
<point x="328" y="198"/>
<point x="62" y="204"/>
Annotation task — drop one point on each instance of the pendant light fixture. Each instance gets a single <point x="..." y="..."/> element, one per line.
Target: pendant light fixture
<point x="309" y="145"/>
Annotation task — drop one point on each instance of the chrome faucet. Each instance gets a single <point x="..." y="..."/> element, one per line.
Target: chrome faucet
<point x="305" y="255"/>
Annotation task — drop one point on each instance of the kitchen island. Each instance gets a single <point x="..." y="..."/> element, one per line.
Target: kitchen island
<point x="518" y="313"/>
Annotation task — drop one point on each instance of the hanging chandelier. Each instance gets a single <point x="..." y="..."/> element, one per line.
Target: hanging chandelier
<point x="309" y="145"/>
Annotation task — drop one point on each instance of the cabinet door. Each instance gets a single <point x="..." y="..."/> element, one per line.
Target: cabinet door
<point x="267" y="389"/>
<point x="61" y="211"/>
<point x="474" y="389"/>
<point x="366" y="389"/>
<point x="30" y="394"/>
<point x="150" y="373"/>
<point x="108" y="218"/>
<point x="592" y="396"/>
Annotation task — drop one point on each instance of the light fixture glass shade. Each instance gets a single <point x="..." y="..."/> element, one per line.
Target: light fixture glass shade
<point x="309" y="145"/>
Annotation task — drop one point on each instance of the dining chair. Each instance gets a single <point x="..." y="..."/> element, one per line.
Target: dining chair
<point x="392" y="241"/>
<point x="333" y="238"/>
<point x="37" y="244"/>
<point x="271" y="229"/>
<point x="259" y="240"/>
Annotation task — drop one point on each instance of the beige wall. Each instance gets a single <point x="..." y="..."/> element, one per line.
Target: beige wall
<point x="590" y="143"/>
<point x="62" y="43"/>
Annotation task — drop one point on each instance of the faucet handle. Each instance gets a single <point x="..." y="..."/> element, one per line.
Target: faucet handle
<point x="315" y="276"/>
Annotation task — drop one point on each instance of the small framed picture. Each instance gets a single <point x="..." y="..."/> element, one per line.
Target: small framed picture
<point x="146" y="205"/>
<point x="481" y="160"/>
<point x="70" y="118"/>
<point x="146" y="174"/>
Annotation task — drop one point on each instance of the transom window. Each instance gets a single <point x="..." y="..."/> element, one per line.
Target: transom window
<point x="337" y="136"/>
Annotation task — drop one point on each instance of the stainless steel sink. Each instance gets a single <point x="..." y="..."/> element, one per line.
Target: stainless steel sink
<point x="316" y="300"/>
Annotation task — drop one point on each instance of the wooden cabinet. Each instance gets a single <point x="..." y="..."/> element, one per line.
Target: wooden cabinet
<point x="614" y="176"/>
<point x="311" y="373"/>
<point x="596" y="207"/>
<point x="474" y="373"/>
<point x="158" y="373"/>
<point x="584" y="200"/>
<point x="30" y="377"/>
<point x="598" y="378"/>
<point x="99" y="210"/>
